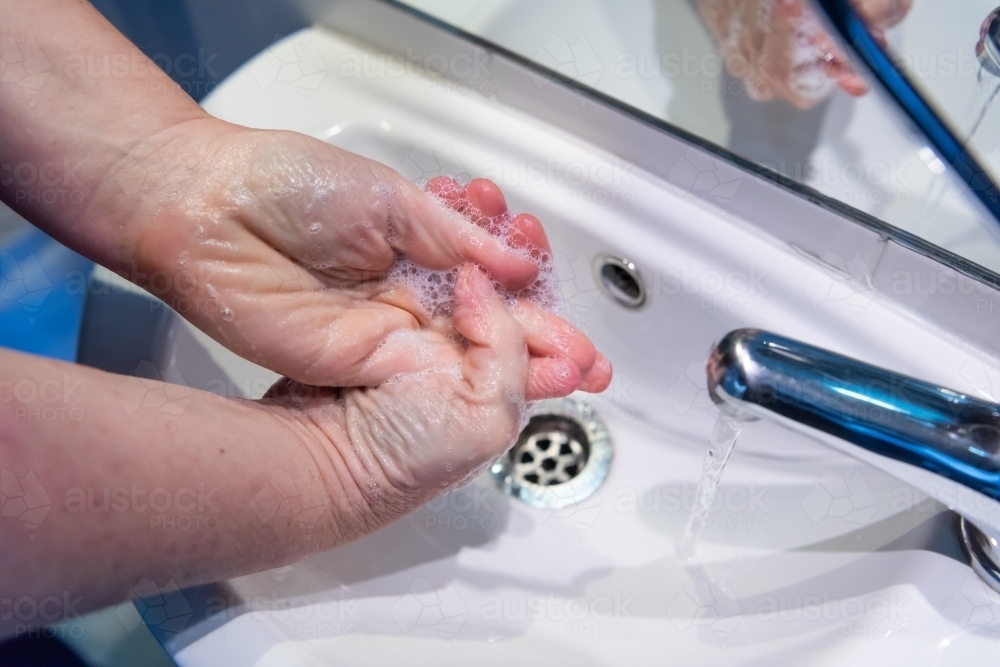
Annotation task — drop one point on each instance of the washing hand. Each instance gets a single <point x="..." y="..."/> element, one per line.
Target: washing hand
<point x="288" y="251"/>
<point x="398" y="445"/>
<point x="280" y="247"/>
<point x="780" y="51"/>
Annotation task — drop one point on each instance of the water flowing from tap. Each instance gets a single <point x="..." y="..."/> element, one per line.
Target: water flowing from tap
<point x="720" y="445"/>
<point x="983" y="111"/>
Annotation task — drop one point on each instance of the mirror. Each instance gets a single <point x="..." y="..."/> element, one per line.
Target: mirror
<point x="769" y="81"/>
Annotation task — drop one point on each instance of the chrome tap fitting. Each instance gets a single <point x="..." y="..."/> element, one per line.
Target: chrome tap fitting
<point x="988" y="47"/>
<point x="943" y="442"/>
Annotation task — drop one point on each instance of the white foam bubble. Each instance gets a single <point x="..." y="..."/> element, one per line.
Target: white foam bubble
<point x="809" y="76"/>
<point x="435" y="290"/>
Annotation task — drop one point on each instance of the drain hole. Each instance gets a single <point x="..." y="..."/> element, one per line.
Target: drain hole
<point x="621" y="281"/>
<point x="560" y="458"/>
<point x="551" y="450"/>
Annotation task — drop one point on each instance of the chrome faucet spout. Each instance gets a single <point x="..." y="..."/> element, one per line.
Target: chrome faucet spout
<point x="988" y="46"/>
<point x="943" y="442"/>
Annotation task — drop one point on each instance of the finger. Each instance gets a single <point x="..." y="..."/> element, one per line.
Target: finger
<point x="598" y="377"/>
<point x="282" y="317"/>
<point x="839" y="68"/>
<point x="331" y="346"/>
<point x="527" y="233"/>
<point x="551" y="378"/>
<point x="549" y="335"/>
<point x="409" y="351"/>
<point x="881" y="15"/>
<point x="438" y="237"/>
<point x="496" y="361"/>
<point x="486" y="198"/>
<point x="852" y="83"/>
<point x="449" y="191"/>
<point x="486" y="203"/>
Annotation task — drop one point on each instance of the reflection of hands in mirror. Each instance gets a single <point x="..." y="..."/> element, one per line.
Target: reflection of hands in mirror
<point x="780" y="51"/>
<point x="880" y="15"/>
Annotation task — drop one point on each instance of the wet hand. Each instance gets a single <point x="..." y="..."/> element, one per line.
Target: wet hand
<point x="396" y="446"/>
<point x="280" y="247"/>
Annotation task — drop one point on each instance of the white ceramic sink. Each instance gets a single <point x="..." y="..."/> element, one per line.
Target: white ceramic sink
<point x="809" y="558"/>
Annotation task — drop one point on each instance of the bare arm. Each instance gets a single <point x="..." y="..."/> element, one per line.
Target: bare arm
<point x="76" y="101"/>
<point x="137" y="491"/>
<point x="153" y="481"/>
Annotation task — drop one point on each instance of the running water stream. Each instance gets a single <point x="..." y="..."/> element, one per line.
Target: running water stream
<point x="720" y="446"/>
<point x="983" y="111"/>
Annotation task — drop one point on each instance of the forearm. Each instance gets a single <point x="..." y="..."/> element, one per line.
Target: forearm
<point x="145" y="480"/>
<point x="76" y="101"/>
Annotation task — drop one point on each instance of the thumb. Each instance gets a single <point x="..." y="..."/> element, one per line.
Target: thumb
<point x="496" y="361"/>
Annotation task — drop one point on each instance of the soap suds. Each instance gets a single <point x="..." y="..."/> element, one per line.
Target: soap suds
<point x="435" y="290"/>
<point x="810" y="77"/>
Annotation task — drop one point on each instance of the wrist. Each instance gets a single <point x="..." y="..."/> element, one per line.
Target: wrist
<point x="144" y="185"/>
<point x="364" y="490"/>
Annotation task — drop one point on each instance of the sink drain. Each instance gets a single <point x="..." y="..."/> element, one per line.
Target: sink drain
<point x="561" y="457"/>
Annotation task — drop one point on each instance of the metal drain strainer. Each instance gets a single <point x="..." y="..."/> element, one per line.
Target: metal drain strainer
<point x="561" y="457"/>
<point x="549" y="458"/>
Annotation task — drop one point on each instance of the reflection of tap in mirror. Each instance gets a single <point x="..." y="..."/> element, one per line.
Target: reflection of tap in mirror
<point x="950" y="50"/>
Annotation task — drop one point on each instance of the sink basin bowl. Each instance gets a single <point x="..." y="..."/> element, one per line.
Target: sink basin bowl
<point x="808" y="557"/>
